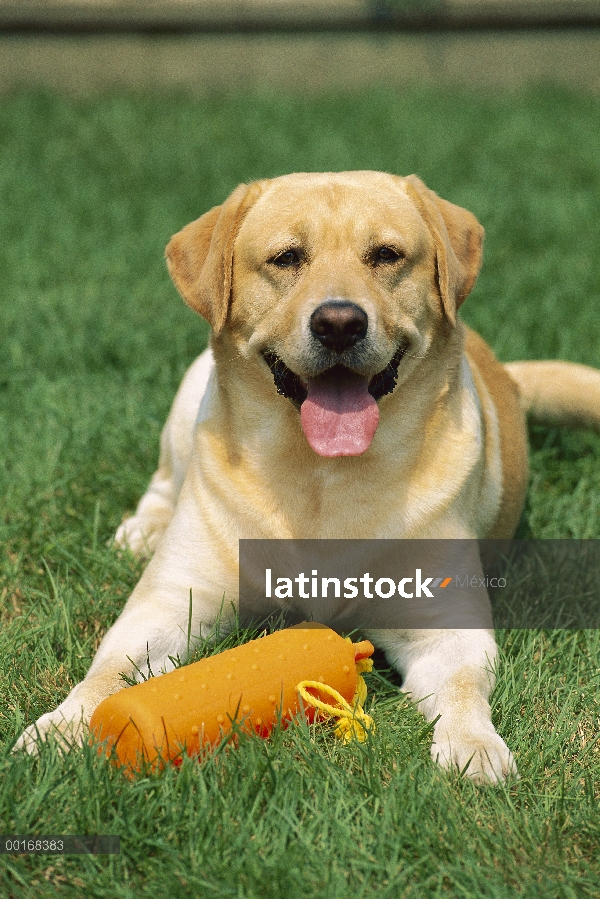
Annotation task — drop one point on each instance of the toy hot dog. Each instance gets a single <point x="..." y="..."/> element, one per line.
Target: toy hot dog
<point x="252" y="686"/>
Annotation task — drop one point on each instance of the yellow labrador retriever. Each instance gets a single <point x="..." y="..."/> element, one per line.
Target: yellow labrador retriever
<point x="341" y="398"/>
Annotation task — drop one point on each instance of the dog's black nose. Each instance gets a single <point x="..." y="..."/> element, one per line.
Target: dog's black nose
<point x="339" y="324"/>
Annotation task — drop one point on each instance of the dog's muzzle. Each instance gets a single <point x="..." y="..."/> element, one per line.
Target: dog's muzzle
<point x="338" y="407"/>
<point x="288" y="384"/>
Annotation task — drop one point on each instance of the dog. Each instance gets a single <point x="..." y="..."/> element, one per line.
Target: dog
<point x="341" y="397"/>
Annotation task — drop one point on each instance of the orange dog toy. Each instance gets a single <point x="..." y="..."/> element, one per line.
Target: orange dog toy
<point x="252" y="685"/>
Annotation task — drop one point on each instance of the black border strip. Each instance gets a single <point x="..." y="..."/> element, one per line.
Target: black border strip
<point x="78" y="21"/>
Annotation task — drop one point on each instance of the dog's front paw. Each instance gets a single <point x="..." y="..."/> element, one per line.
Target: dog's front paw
<point x="477" y="751"/>
<point x="138" y="535"/>
<point x="66" y="731"/>
<point x="66" y="724"/>
<point x="141" y="532"/>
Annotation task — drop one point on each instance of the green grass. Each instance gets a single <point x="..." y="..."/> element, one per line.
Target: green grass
<point x="94" y="342"/>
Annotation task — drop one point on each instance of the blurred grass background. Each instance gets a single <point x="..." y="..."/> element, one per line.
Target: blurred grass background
<point x="94" y="343"/>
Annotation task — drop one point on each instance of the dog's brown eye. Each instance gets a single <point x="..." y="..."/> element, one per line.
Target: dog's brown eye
<point x="386" y="254"/>
<point x="287" y="259"/>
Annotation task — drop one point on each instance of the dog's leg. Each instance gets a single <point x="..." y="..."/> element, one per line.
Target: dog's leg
<point x="142" y="531"/>
<point x="153" y="630"/>
<point x="184" y="589"/>
<point x="450" y="674"/>
<point x="130" y="647"/>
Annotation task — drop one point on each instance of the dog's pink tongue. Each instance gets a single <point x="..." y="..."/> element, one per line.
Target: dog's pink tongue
<point x="339" y="416"/>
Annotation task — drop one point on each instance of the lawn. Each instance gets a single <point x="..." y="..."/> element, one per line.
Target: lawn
<point x="94" y="342"/>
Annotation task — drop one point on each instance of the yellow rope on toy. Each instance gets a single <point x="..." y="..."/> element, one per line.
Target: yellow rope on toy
<point x="353" y="723"/>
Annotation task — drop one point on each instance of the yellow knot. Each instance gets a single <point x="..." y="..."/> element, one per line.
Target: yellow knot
<point x="353" y="723"/>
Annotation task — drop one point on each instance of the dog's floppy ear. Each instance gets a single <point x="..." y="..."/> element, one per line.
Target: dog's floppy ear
<point x="200" y="256"/>
<point x="458" y="240"/>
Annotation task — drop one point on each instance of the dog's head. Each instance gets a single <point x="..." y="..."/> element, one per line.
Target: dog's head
<point x="336" y="284"/>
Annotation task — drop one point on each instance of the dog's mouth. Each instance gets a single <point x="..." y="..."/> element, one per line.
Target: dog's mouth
<point x="338" y="408"/>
